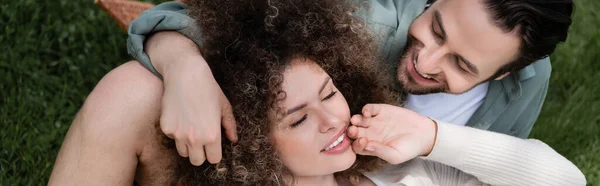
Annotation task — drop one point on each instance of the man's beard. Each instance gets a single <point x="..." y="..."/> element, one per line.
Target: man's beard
<point x="407" y="83"/>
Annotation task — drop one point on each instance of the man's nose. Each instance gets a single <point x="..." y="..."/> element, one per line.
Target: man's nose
<point x="430" y="59"/>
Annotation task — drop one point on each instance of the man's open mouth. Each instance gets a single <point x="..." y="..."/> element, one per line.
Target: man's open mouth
<point x="416" y="56"/>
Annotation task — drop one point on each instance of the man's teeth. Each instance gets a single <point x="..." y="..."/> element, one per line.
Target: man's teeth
<point x="336" y="142"/>
<point x="416" y="69"/>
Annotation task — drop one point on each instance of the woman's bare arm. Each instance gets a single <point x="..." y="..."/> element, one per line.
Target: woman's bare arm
<point x="108" y="134"/>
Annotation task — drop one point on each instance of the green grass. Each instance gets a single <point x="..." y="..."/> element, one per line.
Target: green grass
<point x="54" y="52"/>
<point x="570" y="118"/>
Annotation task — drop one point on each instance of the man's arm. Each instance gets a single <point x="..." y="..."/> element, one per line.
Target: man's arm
<point x="190" y="87"/>
<point x="170" y="49"/>
<point x="154" y="51"/>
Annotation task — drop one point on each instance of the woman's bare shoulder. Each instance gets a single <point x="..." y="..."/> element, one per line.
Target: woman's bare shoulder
<point x="114" y="127"/>
<point x="137" y="93"/>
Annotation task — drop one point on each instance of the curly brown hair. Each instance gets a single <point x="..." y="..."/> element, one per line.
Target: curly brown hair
<point x="248" y="44"/>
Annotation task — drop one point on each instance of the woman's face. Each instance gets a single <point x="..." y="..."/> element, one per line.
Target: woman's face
<point x="310" y="137"/>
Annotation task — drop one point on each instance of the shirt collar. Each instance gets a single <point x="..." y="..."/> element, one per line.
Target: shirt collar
<point x="512" y="82"/>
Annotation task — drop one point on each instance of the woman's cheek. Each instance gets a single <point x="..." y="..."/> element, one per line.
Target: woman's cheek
<point x="341" y="106"/>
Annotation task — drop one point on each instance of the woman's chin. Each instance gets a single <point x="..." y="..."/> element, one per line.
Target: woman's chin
<point x="345" y="160"/>
<point x="340" y="162"/>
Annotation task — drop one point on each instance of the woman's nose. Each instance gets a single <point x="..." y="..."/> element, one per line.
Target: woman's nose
<point x="329" y="122"/>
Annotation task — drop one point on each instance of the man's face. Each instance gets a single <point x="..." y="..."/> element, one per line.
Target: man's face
<point x="454" y="46"/>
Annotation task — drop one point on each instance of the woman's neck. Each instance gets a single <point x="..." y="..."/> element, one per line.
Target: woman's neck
<point x="331" y="180"/>
<point x="327" y="180"/>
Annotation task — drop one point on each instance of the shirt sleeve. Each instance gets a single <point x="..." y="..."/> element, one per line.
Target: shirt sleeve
<point x="500" y="159"/>
<point x="169" y="16"/>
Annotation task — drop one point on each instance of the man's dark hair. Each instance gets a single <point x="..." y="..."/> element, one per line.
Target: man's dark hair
<point x="541" y="24"/>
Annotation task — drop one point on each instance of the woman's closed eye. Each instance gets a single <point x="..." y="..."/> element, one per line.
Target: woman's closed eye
<point x="297" y="123"/>
<point x="329" y="96"/>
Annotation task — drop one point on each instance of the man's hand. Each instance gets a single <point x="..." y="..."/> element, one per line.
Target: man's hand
<point x="392" y="133"/>
<point x="193" y="106"/>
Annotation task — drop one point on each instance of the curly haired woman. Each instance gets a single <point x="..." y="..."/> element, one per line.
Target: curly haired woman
<point x="294" y="72"/>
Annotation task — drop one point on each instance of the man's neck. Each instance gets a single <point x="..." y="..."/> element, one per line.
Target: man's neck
<point x="456" y="109"/>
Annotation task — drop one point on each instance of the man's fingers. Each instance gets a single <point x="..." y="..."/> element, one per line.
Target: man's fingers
<point x="168" y="125"/>
<point x="371" y="110"/>
<point x="213" y="153"/>
<point x="385" y="152"/>
<point x="195" y="148"/>
<point x="213" y="149"/>
<point x="228" y="122"/>
<point x="182" y="148"/>
<point x="169" y="135"/>
<point x="197" y="156"/>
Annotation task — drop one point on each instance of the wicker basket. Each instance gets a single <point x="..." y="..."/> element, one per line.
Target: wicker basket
<point x="124" y="11"/>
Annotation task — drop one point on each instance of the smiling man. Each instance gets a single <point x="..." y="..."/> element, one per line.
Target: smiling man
<point x="477" y="53"/>
<point x="479" y="63"/>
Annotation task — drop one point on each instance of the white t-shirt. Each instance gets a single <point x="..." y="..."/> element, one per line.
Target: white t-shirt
<point x="455" y="109"/>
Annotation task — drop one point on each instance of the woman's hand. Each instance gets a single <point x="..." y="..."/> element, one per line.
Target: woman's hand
<point x="193" y="106"/>
<point x="392" y="133"/>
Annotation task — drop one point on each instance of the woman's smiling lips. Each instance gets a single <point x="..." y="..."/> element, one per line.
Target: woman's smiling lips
<point x="338" y="144"/>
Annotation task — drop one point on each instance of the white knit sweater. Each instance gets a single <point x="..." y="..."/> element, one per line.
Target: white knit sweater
<point x="467" y="156"/>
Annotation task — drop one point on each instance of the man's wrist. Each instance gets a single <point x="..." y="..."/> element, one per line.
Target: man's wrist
<point x="170" y="48"/>
<point x="195" y="63"/>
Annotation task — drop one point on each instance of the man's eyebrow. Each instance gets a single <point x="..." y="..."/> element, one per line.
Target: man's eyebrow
<point x="294" y="109"/>
<point x="438" y="18"/>
<point x="440" y="23"/>
<point x="469" y="65"/>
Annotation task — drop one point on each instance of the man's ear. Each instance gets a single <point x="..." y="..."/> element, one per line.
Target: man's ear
<point x="502" y="76"/>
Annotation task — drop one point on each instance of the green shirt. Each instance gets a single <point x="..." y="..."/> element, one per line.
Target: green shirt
<point x="511" y="105"/>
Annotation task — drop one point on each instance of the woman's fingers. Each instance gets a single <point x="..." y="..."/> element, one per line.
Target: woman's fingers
<point x="371" y="110"/>
<point x="360" y="120"/>
<point x="358" y="146"/>
<point x="384" y="152"/>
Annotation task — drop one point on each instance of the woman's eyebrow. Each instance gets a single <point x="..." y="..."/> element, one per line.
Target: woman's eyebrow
<point x="324" y="84"/>
<point x="294" y="109"/>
